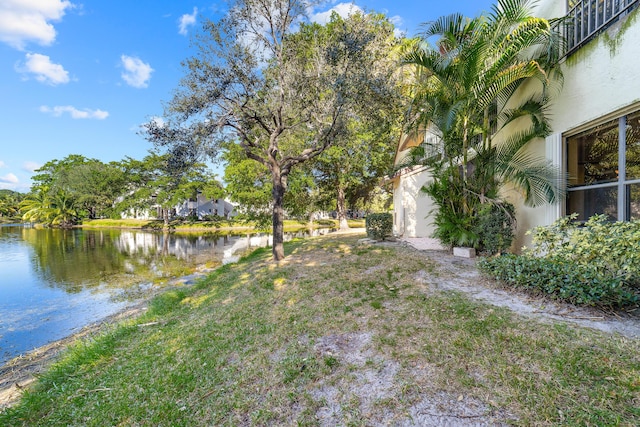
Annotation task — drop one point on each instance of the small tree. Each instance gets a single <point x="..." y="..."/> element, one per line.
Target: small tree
<point x="360" y="155"/>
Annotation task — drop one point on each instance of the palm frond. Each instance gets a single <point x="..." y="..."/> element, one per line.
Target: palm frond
<point x="486" y="94"/>
<point x="534" y="108"/>
<point x="538" y="179"/>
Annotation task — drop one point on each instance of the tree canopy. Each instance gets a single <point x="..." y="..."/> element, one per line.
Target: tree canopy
<point x="74" y="188"/>
<point x="156" y="182"/>
<point x="279" y="87"/>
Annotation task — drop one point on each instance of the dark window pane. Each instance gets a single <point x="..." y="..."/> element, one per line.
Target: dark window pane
<point x="633" y="146"/>
<point x="587" y="203"/>
<point x="592" y="156"/>
<point x="633" y="200"/>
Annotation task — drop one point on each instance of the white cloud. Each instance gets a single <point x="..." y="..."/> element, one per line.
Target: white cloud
<point x="23" y="21"/>
<point x="2" y="164"/>
<point x="43" y="69"/>
<point x="137" y="73"/>
<point x="397" y="22"/>
<point x="31" y="166"/>
<point x="59" y="110"/>
<point x="342" y="9"/>
<point x="187" y="21"/>
<point x="9" y="179"/>
<point x="159" y="121"/>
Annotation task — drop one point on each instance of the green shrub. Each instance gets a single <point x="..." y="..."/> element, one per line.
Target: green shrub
<point x="455" y="229"/>
<point x="495" y="227"/>
<point x="454" y="224"/>
<point x="591" y="263"/>
<point x="379" y="225"/>
<point x="580" y="284"/>
<point x="612" y="248"/>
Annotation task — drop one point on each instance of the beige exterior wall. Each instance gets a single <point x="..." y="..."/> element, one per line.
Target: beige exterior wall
<point x="412" y="208"/>
<point x="601" y="82"/>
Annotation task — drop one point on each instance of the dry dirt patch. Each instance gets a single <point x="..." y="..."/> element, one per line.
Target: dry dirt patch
<point x="461" y="274"/>
<point x="374" y="389"/>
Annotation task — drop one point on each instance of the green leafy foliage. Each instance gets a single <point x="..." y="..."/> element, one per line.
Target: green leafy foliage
<point x="468" y="93"/>
<point x="595" y="263"/>
<point x="284" y="98"/>
<point x="90" y="185"/>
<point x="453" y="219"/>
<point x="10" y="203"/>
<point x="158" y="181"/>
<point x="56" y="209"/>
<point x="495" y="227"/>
<point x="379" y="225"/>
<point x="580" y="284"/>
<point x="611" y="247"/>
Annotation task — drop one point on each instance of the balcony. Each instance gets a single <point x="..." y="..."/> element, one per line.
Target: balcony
<point x="587" y="18"/>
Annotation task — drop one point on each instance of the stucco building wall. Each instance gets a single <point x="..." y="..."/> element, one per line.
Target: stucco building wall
<point x="412" y="208"/>
<point x="601" y="82"/>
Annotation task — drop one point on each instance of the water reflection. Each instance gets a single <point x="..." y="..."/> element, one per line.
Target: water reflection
<point x="54" y="281"/>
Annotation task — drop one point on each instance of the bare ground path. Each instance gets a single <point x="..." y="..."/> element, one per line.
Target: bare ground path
<point x="463" y="276"/>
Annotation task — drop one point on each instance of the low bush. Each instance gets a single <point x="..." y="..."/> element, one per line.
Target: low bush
<point x="495" y="226"/>
<point x="379" y="225"/>
<point x="611" y="248"/>
<point x="592" y="263"/>
<point x="580" y="284"/>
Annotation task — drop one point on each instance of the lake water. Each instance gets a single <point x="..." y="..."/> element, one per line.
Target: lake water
<point x="53" y="282"/>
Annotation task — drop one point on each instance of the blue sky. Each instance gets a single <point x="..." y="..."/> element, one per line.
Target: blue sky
<point x="80" y="77"/>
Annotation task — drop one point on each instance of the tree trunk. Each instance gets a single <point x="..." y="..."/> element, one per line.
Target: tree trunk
<point x="311" y="217"/>
<point x="165" y="242"/>
<point x="465" y="157"/>
<point x="341" y="209"/>
<point x="279" y="187"/>
<point x="165" y="218"/>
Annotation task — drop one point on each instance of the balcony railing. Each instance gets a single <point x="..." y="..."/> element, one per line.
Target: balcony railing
<point x="588" y="17"/>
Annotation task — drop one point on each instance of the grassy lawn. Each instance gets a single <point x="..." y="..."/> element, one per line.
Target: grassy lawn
<point x="338" y="334"/>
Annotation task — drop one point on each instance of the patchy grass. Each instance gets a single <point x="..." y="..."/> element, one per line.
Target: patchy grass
<point x="337" y="334"/>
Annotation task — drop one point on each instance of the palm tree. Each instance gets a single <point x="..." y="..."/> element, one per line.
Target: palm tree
<point x="36" y="206"/>
<point x="63" y="211"/>
<point x="484" y="88"/>
<point x="50" y="209"/>
<point x="9" y="205"/>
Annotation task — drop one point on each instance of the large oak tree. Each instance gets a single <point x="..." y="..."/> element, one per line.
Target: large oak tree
<point x="282" y="95"/>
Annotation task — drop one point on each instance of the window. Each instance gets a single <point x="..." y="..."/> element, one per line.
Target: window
<point x="633" y="194"/>
<point x="603" y="164"/>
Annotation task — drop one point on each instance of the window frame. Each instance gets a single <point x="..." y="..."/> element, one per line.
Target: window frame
<point x="622" y="184"/>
